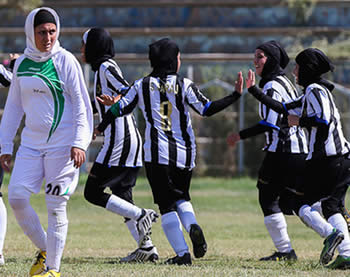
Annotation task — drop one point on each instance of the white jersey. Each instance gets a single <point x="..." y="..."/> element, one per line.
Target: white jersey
<point x="5" y="77"/>
<point x="169" y="137"/>
<point x="53" y="97"/>
<point x="281" y="138"/>
<point x="122" y="145"/>
<point x="327" y="140"/>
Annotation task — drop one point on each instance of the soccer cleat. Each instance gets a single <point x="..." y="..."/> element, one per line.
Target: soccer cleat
<point x="2" y="260"/>
<point x="346" y="214"/>
<point x="141" y="255"/>
<point x="340" y="262"/>
<point x="183" y="260"/>
<point x="281" y="256"/>
<point x="198" y="241"/>
<point x="39" y="265"/>
<point x="144" y="224"/>
<point x="330" y="244"/>
<point x="50" y="273"/>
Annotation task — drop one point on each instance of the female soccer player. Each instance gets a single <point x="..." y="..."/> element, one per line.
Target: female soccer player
<point x="47" y="87"/>
<point x="120" y="158"/>
<point x="286" y="148"/>
<point x="165" y="99"/>
<point x="326" y="175"/>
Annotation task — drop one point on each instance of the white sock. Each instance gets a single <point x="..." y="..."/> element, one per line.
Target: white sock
<point x="29" y="222"/>
<point x="277" y="226"/>
<point x="315" y="221"/>
<point x="131" y="224"/>
<point x="338" y="222"/>
<point x="186" y="214"/>
<point x="173" y="231"/>
<point x="119" y="206"/>
<point x="317" y="207"/>
<point x="3" y="224"/>
<point x="56" y="231"/>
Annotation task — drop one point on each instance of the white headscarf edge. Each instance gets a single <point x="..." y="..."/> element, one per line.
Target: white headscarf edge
<point x="31" y="51"/>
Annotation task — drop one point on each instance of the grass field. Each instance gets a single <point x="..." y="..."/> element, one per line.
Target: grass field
<point x="227" y="210"/>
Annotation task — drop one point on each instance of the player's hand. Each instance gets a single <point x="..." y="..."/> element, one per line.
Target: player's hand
<point x="14" y="56"/>
<point x="293" y="120"/>
<point x="250" y="80"/>
<point x="5" y="161"/>
<point x="95" y="134"/>
<point x="232" y="139"/>
<point x="239" y="83"/>
<point x="108" y="100"/>
<point x="78" y="156"/>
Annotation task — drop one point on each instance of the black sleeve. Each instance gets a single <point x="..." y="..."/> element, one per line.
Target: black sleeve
<point x="93" y="105"/>
<point x="253" y="131"/>
<point x="219" y="105"/>
<point x="12" y="64"/>
<point x="107" y="119"/>
<point x="267" y="100"/>
<point x="312" y="122"/>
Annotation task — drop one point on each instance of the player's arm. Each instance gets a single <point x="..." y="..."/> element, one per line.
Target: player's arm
<point x="204" y="107"/>
<point x="316" y="115"/>
<point x="120" y="106"/>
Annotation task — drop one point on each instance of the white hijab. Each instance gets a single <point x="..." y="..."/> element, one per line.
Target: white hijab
<point x="31" y="51"/>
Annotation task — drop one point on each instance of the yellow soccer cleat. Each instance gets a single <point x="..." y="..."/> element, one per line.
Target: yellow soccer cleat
<point x="39" y="265"/>
<point x="50" y="273"/>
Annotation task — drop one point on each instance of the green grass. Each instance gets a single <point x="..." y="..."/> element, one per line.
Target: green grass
<point x="227" y="210"/>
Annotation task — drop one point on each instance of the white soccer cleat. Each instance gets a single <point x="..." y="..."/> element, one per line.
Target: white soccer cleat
<point x="144" y="224"/>
<point x="2" y="260"/>
<point x="141" y="255"/>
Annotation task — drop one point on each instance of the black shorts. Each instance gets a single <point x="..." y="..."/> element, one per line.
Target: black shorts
<point x="168" y="184"/>
<point x="327" y="179"/>
<point x="118" y="179"/>
<point x="280" y="181"/>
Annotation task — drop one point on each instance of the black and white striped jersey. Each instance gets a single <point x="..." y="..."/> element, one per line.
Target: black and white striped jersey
<point x="281" y="137"/>
<point x="326" y="136"/>
<point x="169" y="137"/>
<point x="5" y="77"/>
<point x="122" y="145"/>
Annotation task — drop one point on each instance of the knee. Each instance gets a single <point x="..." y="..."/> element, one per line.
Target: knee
<point x="90" y="191"/>
<point x="18" y="204"/>
<point x="167" y="208"/>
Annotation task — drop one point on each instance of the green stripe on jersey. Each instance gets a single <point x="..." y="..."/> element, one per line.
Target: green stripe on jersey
<point x="47" y="72"/>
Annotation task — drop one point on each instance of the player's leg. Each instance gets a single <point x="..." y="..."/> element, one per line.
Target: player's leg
<point x="3" y="221"/>
<point x="165" y="196"/>
<point x="181" y="178"/>
<point x="275" y="222"/>
<point x="27" y="178"/>
<point x="61" y="181"/>
<point x="331" y="208"/>
<point x="101" y="177"/>
<point x="122" y="188"/>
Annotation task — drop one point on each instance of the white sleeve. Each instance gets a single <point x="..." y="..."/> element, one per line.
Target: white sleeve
<point x="82" y="110"/>
<point x="11" y="118"/>
<point x="5" y="77"/>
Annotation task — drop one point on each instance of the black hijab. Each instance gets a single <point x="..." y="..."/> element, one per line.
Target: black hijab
<point x="312" y="64"/>
<point x="99" y="47"/>
<point x="277" y="60"/>
<point x="163" y="57"/>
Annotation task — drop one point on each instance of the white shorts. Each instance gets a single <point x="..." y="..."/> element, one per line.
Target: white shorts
<point x="32" y="167"/>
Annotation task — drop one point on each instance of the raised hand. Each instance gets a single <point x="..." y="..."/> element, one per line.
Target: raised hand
<point x="250" y="80"/>
<point x="239" y="83"/>
<point x="108" y="100"/>
<point x="232" y="139"/>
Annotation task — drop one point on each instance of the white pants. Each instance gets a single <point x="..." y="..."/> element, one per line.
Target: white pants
<point x="32" y="167"/>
